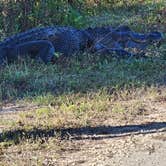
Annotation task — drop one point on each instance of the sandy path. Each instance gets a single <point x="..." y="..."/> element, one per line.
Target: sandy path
<point x="141" y="142"/>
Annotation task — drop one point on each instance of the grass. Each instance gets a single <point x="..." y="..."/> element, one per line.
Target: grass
<point x="85" y="90"/>
<point x="81" y="93"/>
<point x="89" y="74"/>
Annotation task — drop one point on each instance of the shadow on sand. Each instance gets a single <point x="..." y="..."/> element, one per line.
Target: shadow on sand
<point x="93" y="133"/>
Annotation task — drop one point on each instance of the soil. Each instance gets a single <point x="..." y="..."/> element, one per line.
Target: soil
<point x="141" y="142"/>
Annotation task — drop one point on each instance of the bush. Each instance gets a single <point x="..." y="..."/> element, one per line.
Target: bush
<point x="17" y="16"/>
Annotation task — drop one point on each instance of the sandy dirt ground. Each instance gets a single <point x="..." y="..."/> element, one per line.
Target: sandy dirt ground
<point x="131" y="145"/>
<point x="140" y="143"/>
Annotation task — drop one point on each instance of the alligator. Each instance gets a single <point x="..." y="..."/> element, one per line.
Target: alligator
<point x="42" y="43"/>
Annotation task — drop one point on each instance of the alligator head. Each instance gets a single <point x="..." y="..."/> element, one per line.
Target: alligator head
<point x="123" y="37"/>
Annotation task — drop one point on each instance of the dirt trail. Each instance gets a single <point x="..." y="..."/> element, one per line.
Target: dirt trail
<point x="148" y="150"/>
<point x="134" y="145"/>
<point x="124" y="143"/>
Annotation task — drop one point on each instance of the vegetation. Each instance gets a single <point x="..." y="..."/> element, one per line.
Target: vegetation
<point x="21" y="15"/>
<point x="85" y="90"/>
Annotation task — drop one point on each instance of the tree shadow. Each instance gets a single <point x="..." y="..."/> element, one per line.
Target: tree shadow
<point x="93" y="133"/>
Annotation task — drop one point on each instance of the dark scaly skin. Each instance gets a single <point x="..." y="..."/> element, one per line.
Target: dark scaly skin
<point x="66" y="40"/>
<point x="109" y="40"/>
<point x="43" y="42"/>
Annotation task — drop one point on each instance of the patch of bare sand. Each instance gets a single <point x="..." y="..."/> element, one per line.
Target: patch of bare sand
<point x="100" y="148"/>
<point x="131" y="150"/>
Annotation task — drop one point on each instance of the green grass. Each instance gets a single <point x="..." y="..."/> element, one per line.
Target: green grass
<point x="93" y="72"/>
<point x="90" y="73"/>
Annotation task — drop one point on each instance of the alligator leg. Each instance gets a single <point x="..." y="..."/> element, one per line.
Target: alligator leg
<point x="41" y="49"/>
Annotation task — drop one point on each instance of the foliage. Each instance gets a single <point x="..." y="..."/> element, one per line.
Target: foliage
<point x="20" y="15"/>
